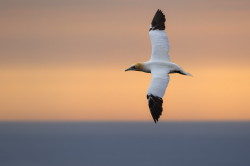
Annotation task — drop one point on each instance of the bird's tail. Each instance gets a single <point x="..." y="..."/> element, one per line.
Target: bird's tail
<point x="185" y="73"/>
<point x="188" y="74"/>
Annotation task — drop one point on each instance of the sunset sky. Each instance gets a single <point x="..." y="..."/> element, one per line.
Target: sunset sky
<point x="64" y="60"/>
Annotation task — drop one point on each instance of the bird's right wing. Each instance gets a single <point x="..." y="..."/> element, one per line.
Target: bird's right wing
<point x="156" y="91"/>
<point x="159" y="39"/>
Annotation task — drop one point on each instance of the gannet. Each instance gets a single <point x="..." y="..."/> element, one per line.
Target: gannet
<point x="159" y="65"/>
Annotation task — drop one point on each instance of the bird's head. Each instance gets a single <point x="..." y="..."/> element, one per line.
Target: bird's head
<point x="136" y="67"/>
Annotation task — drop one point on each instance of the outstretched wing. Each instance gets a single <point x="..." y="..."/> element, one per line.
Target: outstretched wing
<point x="159" y="39"/>
<point x="156" y="91"/>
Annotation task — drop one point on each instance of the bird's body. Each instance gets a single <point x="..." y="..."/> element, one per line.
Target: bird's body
<point x="159" y="65"/>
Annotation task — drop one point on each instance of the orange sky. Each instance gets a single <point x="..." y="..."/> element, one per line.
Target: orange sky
<point x="65" y="60"/>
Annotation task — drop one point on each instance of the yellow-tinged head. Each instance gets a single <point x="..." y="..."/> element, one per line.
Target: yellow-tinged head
<point x="136" y="67"/>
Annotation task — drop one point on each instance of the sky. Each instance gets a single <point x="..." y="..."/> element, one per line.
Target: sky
<point x="64" y="60"/>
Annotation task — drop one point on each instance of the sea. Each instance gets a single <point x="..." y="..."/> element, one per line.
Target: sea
<point x="124" y="144"/>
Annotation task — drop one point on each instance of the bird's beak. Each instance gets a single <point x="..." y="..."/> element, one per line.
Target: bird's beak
<point x="131" y="68"/>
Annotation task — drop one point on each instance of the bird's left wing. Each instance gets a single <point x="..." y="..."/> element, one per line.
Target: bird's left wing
<point x="159" y="39"/>
<point x="156" y="91"/>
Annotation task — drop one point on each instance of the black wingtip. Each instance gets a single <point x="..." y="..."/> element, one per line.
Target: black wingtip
<point x="155" y="106"/>
<point x="159" y="10"/>
<point x="158" y="21"/>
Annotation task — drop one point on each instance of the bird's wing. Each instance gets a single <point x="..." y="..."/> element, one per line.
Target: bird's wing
<point x="156" y="91"/>
<point x="159" y="39"/>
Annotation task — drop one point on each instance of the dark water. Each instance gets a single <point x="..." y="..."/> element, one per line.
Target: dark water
<point x="125" y="144"/>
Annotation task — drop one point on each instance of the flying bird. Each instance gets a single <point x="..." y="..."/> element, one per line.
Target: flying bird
<point x="159" y="65"/>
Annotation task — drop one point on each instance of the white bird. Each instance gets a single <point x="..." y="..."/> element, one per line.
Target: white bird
<point x="159" y="65"/>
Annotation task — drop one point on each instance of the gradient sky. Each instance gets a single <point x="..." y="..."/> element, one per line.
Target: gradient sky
<point x="65" y="59"/>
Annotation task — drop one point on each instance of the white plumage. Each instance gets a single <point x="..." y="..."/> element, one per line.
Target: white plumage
<point x="159" y="81"/>
<point x="160" y="45"/>
<point x="160" y="49"/>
